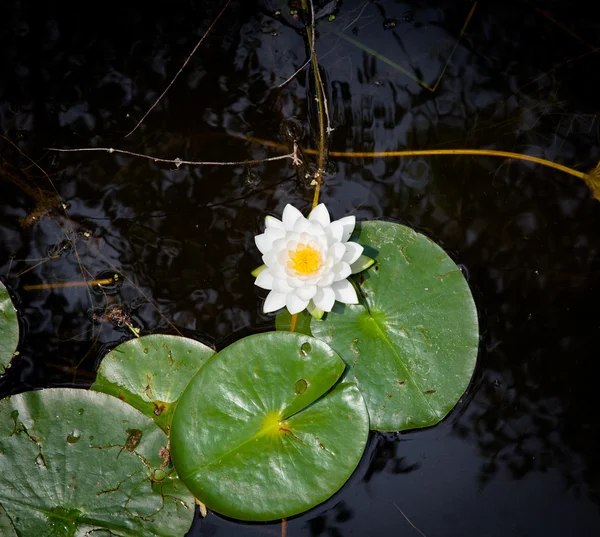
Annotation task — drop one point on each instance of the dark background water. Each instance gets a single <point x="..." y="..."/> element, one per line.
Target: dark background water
<point x="519" y="455"/>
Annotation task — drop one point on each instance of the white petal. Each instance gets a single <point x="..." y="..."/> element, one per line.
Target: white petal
<point x="321" y="241"/>
<point x="277" y="270"/>
<point x="275" y="301"/>
<point x="290" y="215"/>
<point x="312" y="280"/>
<point x="326" y="280"/>
<point x="279" y="244"/>
<point x="334" y="232"/>
<point x="305" y="237"/>
<point x="294" y="282"/>
<point x="341" y="271"/>
<point x="344" y="292"/>
<point x="306" y="292"/>
<point x="301" y="225"/>
<point x="316" y="230"/>
<point x="264" y="279"/>
<point x="282" y="258"/>
<point x="348" y="223"/>
<point x="281" y="286"/>
<point x="265" y="241"/>
<point x="291" y="236"/>
<point x="295" y="304"/>
<point x="336" y="252"/>
<point x="271" y="221"/>
<point x="353" y="252"/>
<point x="320" y="215"/>
<point x="324" y="299"/>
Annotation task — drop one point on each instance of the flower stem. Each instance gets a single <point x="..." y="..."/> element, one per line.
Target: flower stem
<point x="310" y="32"/>
<point x="293" y="322"/>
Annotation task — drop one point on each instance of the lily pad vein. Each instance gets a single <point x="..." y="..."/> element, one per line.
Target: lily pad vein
<point x="408" y="372"/>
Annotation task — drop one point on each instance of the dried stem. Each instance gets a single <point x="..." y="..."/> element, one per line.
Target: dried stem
<point x="178" y="162"/>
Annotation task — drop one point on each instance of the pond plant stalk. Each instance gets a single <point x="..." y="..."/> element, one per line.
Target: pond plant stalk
<point x="309" y="11"/>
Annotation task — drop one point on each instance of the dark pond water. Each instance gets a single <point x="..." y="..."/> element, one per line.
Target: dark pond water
<point x="519" y="455"/>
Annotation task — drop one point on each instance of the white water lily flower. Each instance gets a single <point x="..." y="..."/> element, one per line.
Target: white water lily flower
<point x="307" y="261"/>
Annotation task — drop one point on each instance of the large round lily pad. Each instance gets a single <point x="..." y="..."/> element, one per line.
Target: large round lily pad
<point x="76" y="462"/>
<point x="9" y="329"/>
<point x="258" y="435"/>
<point x="151" y="372"/>
<point x="412" y="349"/>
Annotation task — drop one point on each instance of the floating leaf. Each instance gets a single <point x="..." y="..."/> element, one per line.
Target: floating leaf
<point x="151" y="372"/>
<point x="413" y="351"/>
<point x="76" y="462"/>
<point x="255" y="437"/>
<point x="9" y="329"/>
<point x="283" y="322"/>
<point x="6" y="526"/>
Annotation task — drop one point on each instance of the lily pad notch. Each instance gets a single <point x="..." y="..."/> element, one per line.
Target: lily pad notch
<point x="411" y="346"/>
<point x="263" y="431"/>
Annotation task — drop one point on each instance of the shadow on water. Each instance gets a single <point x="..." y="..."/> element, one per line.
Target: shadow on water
<point x="519" y="454"/>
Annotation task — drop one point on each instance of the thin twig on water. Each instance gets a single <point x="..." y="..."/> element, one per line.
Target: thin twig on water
<point x="408" y="520"/>
<point x="178" y="162"/>
<point x="180" y="70"/>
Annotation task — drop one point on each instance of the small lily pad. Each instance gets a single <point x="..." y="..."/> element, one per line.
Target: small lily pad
<point x="260" y="435"/>
<point x="412" y="346"/>
<point x="9" y="329"/>
<point x="151" y="372"/>
<point x="77" y="462"/>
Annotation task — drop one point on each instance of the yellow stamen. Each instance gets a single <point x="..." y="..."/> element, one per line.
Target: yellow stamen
<point x="305" y="260"/>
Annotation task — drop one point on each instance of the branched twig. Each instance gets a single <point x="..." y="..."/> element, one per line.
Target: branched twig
<point x="178" y="162"/>
<point x="180" y="70"/>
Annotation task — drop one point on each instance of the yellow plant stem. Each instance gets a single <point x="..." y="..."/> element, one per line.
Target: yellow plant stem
<point x="482" y="152"/>
<point x="293" y="322"/>
<point x="429" y="152"/>
<point x="40" y="286"/>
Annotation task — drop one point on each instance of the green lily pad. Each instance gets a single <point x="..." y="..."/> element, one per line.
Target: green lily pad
<point x="6" y="527"/>
<point x="283" y="322"/>
<point x="258" y="435"/>
<point x="151" y="372"/>
<point x="412" y="349"/>
<point x="9" y="329"/>
<point x="76" y="462"/>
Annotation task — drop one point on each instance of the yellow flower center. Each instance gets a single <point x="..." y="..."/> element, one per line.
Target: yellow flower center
<point x="305" y="260"/>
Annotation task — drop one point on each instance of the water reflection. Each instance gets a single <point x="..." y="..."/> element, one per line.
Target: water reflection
<point x="526" y="434"/>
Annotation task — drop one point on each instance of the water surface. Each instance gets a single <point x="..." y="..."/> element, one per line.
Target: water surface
<point x="518" y="456"/>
